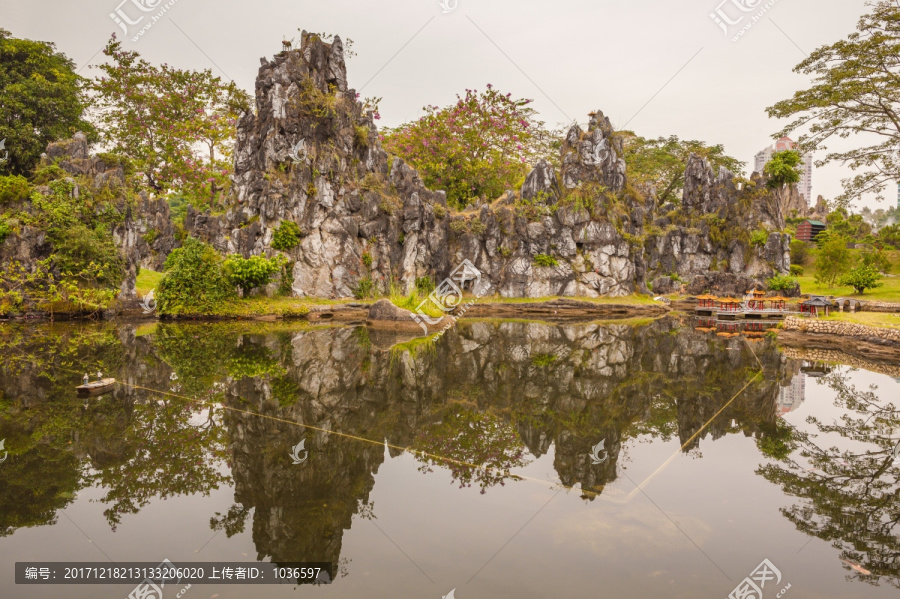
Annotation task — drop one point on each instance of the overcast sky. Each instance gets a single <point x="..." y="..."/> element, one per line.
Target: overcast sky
<point x="658" y="67"/>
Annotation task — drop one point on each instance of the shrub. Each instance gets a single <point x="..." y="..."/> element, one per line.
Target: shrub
<point x="864" y="276"/>
<point x="286" y="236"/>
<point x="14" y="189"/>
<point x="759" y="238"/>
<point x="796" y="270"/>
<point x="90" y="255"/>
<point x="477" y="226"/>
<point x="361" y="136"/>
<point x="799" y="251"/>
<point x="782" y="283"/>
<point x="545" y="260"/>
<point x="439" y="211"/>
<point x="370" y="182"/>
<point x="248" y="273"/>
<point x="458" y="226"/>
<point x="365" y="288"/>
<point x="194" y="282"/>
<point x="5" y="230"/>
<point x="367" y="259"/>
<point x="424" y="285"/>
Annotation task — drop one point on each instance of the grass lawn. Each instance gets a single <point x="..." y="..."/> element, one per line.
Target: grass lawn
<point x="873" y="319"/>
<point x="888" y="292"/>
<point x="147" y="280"/>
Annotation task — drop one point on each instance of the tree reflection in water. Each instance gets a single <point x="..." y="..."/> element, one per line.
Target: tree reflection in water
<point x="476" y="446"/>
<point x="844" y="475"/>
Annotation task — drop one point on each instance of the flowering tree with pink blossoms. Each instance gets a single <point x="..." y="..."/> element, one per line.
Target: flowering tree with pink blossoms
<point x="480" y="146"/>
<point x="176" y="126"/>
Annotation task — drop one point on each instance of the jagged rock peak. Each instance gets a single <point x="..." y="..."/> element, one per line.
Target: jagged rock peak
<point x="593" y="156"/>
<point x="541" y="183"/>
<point x="704" y="190"/>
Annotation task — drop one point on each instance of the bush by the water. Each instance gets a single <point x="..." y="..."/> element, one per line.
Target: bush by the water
<point x="195" y="282"/>
<point x="248" y="273"/>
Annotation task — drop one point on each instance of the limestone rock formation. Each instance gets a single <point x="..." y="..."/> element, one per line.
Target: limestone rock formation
<point x="594" y="156"/>
<point x="311" y="155"/>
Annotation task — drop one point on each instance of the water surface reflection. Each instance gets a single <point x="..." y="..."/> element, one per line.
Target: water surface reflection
<point x="494" y="407"/>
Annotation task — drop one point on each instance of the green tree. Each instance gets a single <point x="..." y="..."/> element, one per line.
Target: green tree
<point x="42" y="99"/>
<point x="851" y="226"/>
<point x="890" y="235"/>
<point x="480" y="146"/>
<point x="833" y="258"/>
<point x="799" y="251"/>
<point x="194" y="282"/>
<point x="661" y="162"/>
<point x="874" y="256"/>
<point x="864" y="276"/>
<point x="782" y="171"/>
<point x="855" y="93"/>
<point x="178" y="126"/>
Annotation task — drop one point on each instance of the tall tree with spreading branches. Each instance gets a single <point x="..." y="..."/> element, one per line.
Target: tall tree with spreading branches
<point x="178" y="126"/>
<point x="855" y="95"/>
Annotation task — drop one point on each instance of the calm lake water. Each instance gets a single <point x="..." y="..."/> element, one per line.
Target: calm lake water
<point x="508" y="459"/>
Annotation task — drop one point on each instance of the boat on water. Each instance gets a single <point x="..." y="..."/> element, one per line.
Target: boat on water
<point x="97" y="387"/>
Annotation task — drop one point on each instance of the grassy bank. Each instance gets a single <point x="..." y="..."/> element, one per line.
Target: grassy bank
<point x="872" y="319"/>
<point x="888" y="292"/>
<point x="293" y="307"/>
<point x="279" y="306"/>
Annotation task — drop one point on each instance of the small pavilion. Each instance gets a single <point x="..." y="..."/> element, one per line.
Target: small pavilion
<point x="729" y="304"/>
<point x="706" y="301"/>
<point x="778" y="302"/>
<point x="757" y="300"/>
<point x="816" y="306"/>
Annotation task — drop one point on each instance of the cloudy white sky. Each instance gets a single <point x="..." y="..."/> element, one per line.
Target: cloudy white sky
<point x="661" y="67"/>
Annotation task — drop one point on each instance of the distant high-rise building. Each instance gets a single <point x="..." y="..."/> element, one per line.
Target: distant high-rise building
<point x="790" y="397"/>
<point x="786" y="143"/>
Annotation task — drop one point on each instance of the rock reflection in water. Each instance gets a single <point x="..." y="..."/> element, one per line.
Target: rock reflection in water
<point x="487" y="399"/>
<point x="490" y="394"/>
